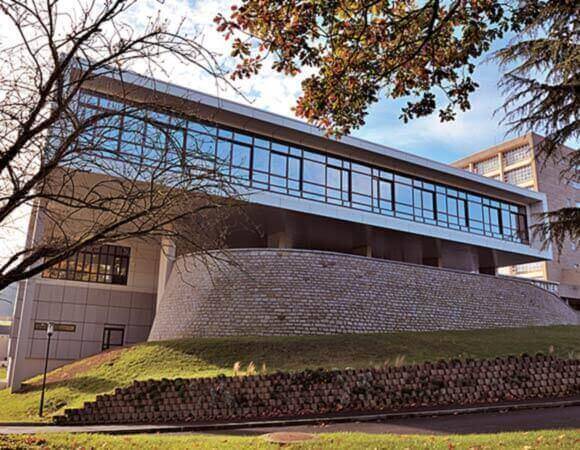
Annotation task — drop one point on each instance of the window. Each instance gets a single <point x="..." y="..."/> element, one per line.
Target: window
<point x="452" y="208"/>
<point x="107" y="264"/>
<point x="267" y="164"/>
<point x="276" y="169"/>
<point x="518" y="176"/>
<point x="424" y="203"/>
<point x="113" y="336"/>
<point x="200" y="150"/>
<point x="475" y="211"/>
<point x="337" y="185"/>
<point x="385" y="195"/>
<point x="516" y="155"/>
<point x="528" y="268"/>
<point x="486" y="166"/>
<point x="362" y="188"/>
<point x="492" y="219"/>
<point x="403" y="197"/>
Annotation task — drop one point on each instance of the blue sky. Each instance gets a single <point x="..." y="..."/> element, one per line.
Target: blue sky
<point x="471" y="131"/>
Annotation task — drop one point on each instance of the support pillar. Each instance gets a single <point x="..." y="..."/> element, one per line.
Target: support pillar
<point x="16" y="370"/>
<point x="166" y="260"/>
<point x="364" y="250"/>
<point x="280" y="239"/>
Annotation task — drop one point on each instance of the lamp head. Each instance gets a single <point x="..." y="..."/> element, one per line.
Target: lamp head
<point x="49" y="329"/>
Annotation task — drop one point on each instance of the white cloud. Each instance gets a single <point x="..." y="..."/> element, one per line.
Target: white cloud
<point x="277" y="93"/>
<point x="269" y="90"/>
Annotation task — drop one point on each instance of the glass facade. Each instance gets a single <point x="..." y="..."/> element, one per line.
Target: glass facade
<point x="266" y="164"/>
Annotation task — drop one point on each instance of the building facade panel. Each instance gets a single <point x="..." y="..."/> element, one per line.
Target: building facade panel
<point x="87" y="309"/>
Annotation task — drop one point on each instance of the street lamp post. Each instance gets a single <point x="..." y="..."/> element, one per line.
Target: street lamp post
<point x="49" y="332"/>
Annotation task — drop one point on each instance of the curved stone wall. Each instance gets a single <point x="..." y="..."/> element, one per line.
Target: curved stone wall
<point x="291" y="292"/>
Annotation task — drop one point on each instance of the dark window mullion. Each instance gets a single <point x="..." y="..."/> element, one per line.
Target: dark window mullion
<point x="374" y="195"/>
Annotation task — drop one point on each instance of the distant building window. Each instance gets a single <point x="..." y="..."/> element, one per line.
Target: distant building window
<point x="486" y="166"/>
<point x="107" y="264"/>
<point x="517" y="155"/>
<point x="528" y="268"/>
<point x="519" y="176"/>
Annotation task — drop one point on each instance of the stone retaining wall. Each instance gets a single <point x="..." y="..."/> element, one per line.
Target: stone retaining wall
<point x="294" y="292"/>
<point x="321" y="392"/>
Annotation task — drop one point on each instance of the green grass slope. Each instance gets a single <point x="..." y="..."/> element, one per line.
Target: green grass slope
<point x="81" y="381"/>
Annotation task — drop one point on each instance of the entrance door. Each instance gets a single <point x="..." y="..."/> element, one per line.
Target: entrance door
<point x="113" y="337"/>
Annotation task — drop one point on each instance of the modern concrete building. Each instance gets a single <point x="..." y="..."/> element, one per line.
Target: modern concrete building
<point x="517" y="162"/>
<point x="355" y="237"/>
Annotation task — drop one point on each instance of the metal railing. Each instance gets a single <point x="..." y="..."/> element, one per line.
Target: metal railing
<point x="550" y="286"/>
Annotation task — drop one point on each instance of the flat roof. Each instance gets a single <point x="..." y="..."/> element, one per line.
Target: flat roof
<point x="494" y="150"/>
<point x="529" y="138"/>
<point x="279" y="124"/>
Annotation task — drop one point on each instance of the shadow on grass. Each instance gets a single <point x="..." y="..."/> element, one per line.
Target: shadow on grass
<point x="80" y="384"/>
<point x="366" y="350"/>
<point x="62" y="394"/>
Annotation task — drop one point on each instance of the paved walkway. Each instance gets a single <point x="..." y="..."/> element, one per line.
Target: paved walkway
<point x="526" y="420"/>
<point x="523" y="420"/>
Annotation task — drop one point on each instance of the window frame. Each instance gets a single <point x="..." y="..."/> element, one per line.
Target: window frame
<point x="106" y="343"/>
<point x="88" y="258"/>
<point x="318" y="188"/>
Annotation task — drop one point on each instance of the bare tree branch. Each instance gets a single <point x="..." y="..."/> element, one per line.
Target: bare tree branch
<point x="65" y="157"/>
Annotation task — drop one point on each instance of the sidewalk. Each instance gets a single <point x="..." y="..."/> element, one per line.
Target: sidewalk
<point x="568" y="409"/>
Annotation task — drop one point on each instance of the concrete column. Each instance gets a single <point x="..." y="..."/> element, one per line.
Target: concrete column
<point x="457" y="256"/>
<point x="488" y="270"/>
<point x="280" y="239"/>
<point x="363" y="250"/>
<point x="412" y="250"/>
<point x="166" y="260"/>
<point x="16" y="369"/>
<point x="487" y="262"/>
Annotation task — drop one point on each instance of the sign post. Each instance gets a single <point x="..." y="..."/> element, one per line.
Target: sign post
<point x="49" y="332"/>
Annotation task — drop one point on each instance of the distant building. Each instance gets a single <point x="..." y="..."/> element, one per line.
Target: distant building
<point x="517" y="162"/>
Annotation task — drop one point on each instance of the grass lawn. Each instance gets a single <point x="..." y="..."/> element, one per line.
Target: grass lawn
<point x="2" y="373"/>
<point x="561" y="439"/>
<point x="80" y="381"/>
